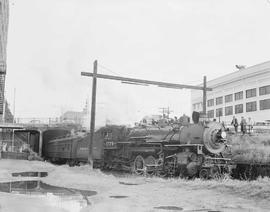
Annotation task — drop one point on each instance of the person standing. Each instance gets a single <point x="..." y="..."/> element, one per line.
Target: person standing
<point x="243" y="125"/>
<point x="235" y="124"/>
<point x="184" y="120"/>
<point x="175" y="120"/>
<point x="250" y="125"/>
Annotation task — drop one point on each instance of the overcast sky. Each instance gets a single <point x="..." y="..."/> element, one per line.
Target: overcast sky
<point x="50" y="42"/>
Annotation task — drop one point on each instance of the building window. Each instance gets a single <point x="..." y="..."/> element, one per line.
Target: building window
<point x="251" y="93"/>
<point x="210" y="102"/>
<point x="219" y="100"/>
<point x="228" y="110"/>
<point x="265" y="104"/>
<point x="210" y="114"/>
<point x="238" y="108"/>
<point x="264" y="90"/>
<point x="228" y="98"/>
<point x="238" y="95"/>
<point x="219" y="112"/>
<point x="251" y="106"/>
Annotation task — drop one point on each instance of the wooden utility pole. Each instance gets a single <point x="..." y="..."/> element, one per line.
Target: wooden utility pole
<point x="93" y="114"/>
<point x="204" y="95"/>
<point x="134" y="81"/>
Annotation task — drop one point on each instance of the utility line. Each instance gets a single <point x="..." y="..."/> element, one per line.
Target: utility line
<point x="197" y="82"/>
<point x="109" y="70"/>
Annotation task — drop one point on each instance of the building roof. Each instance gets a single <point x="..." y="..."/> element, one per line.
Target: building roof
<point x="72" y="114"/>
<point x="11" y="126"/>
<point x="241" y="74"/>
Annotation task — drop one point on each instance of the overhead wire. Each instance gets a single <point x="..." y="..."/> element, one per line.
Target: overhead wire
<point x="119" y="73"/>
<point x="109" y="70"/>
<point x="103" y="67"/>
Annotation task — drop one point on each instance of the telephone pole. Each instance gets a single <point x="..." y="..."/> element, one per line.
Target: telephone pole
<point x="204" y="96"/>
<point x="93" y="114"/>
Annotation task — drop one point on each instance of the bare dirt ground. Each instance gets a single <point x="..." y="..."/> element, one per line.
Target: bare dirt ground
<point x="132" y="193"/>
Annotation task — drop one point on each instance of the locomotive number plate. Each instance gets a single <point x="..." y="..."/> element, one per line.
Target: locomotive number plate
<point x="110" y="145"/>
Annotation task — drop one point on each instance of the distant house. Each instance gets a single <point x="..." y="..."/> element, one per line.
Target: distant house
<point x="73" y="117"/>
<point x="81" y="118"/>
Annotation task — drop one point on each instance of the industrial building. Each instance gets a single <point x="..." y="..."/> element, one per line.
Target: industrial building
<point x="244" y="92"/>
<point x="4" y="17"/>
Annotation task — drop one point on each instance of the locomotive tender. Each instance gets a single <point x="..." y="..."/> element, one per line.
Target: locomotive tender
<point x="188" y="150"/>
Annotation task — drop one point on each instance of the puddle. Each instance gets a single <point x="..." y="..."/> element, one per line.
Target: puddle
<point x="30" y="174"/>
<point x="171" y="208"/>
<point x="197" y="210"/>
<point x="203" y="210"/>
<point x="118" y="197"/>
<point x="123" y="183"/>
<point x="66" y="197"/>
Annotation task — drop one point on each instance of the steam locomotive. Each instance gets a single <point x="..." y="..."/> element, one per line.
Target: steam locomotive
<point x="188" y="150"/>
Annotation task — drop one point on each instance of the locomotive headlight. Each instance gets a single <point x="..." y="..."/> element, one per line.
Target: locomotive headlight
<point x="223" y="135"/>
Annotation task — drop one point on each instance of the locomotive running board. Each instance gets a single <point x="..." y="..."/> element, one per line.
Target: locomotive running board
<point x="140" y="137"/>
<point x="228" y="159"/>
<point x="183" y="145"/>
